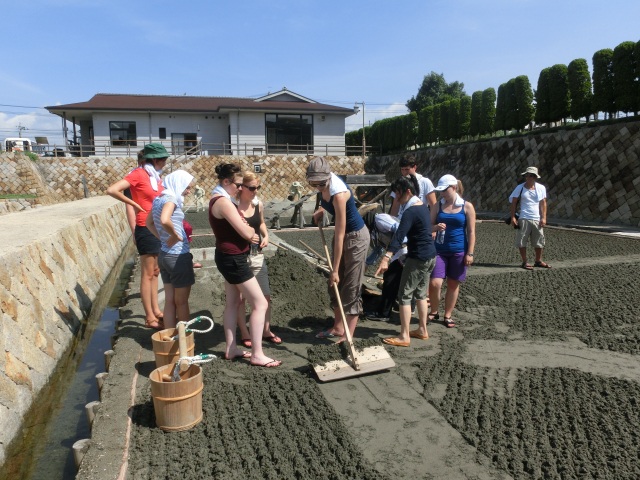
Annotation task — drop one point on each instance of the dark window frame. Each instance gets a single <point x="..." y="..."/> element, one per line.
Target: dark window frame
<point x="124" y="136"/>
<point x="282" y="133"/>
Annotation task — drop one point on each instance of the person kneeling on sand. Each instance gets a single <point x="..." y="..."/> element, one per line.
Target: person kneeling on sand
<point x="416" y="227"/>
<point x="233" y="236"/>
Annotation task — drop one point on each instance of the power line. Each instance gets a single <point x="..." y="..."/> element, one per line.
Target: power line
<point x="19" y="106"/>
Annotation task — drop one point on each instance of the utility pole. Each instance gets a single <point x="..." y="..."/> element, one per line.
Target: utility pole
<point x="20" y="129"/>
<point x="356" y="109"/>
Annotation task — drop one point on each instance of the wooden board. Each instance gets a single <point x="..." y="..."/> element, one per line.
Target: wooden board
<point x="371" y="359"/>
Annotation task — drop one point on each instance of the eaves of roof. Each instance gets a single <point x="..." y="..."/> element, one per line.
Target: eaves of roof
<point x="183" y="103"/>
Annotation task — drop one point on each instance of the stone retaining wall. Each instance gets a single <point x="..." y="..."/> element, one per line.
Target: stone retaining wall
<point x="53" y="262"/>
<point x="591" y="174"/>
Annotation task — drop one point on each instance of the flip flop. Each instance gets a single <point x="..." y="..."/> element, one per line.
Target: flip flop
<point x="395" y="342"/>
<point x="156" y="325"/>
<point x="273" y="339"/>
<point x="541" y="264"/>
<point x="197" y="265"/>
<point x="526" y="266"/>
<point x="246" y="342"/>
<point x="269" y="364"/>
<point x="432" y="316"/>
<point x="416" y="334"/>
<point x="449" y="323"/>
<point x="242" y="355"/>
<point x="326" y="334"/>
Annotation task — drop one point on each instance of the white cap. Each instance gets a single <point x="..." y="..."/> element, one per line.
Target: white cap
<point x="445" y="182"/>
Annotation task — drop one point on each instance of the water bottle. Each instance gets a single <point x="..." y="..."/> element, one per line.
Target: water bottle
<point x="254" y="249"/>
<point x="440" y="237"/>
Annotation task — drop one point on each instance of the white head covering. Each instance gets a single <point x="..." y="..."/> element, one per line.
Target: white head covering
<point x="154" y="176"/>
<point x="175" y="184"/>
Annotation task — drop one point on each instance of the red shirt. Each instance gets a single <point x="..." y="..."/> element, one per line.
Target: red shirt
<point x="142" y="193"/>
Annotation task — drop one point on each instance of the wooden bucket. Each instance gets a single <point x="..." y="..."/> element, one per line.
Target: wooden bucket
<point x="167" y="351"/>
<point x="178" y="405"/>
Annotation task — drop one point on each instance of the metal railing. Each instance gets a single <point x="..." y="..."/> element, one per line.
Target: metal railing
<point x="192" y="148"/>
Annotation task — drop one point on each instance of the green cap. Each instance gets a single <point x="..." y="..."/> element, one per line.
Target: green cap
<point x="155" y="150"/>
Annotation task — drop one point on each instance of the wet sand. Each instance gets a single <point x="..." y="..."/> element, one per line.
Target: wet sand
<point x="539" y="380"/>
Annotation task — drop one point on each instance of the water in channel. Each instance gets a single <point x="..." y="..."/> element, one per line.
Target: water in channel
<point x="58" y="419"/>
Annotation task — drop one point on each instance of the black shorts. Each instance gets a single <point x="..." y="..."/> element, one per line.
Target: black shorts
<point x="146" y="242"/>
<point x="176" y="270"/>
<point x="234" y="268"/>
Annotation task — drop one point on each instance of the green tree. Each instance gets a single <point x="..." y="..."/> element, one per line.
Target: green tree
<point x="580" y="89"/>
<point x="488" y="114"/>
<point x="425" y="125"/>
<point x="603" y="91"/>
<point x="625" y="83"/>
<point x="454" y="118"/>
<point x="543" y="102"/>
<point x="444" y="121"/>
<point x="501" y="111"/>
<point x="510" y="105"/>
<point x="524" y="102"/>
<point x="434" y="90"/>
<point x="436" y="132"/>
<point x="476" y="111"/>
<point x="559" y="100"/>
<point x="464" y="117"/>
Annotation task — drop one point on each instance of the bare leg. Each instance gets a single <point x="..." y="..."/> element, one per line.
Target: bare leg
<point x="169" y="319"/>
<point x="230" y="320"/>
<point x="538" y="254"/>
<point x="154" y="289"/>
<point x="451" y="297"/>
<point x="149" y="281"/>
<point x="242" y="319"/>
<point x="435" y="287"/>
<point x="523" y="254"/>
<point x="251" y="292"/>
<point x="182" y="303"/>
<point x="405" y="322"/>
<point x="423" y="310"/>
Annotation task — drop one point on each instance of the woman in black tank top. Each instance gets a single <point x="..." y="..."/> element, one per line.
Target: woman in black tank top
<point x="252" y="210"/>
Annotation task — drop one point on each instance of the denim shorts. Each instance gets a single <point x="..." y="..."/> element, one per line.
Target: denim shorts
<point x="177" y="270"/>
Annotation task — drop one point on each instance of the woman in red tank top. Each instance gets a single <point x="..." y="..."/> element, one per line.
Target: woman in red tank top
<point x="233" y="236"/>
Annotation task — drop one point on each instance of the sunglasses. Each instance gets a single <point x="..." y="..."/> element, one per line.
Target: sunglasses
<point x="238" y="185"/>
<point x="317" y="184"/>
<point x="251" y="189"/>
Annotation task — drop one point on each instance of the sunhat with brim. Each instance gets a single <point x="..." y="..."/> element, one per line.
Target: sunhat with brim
<point x="318" y="170"/>
<point x="445" y="182"/>
<point x="155" y="150"/>
<point x="531" y="170"/>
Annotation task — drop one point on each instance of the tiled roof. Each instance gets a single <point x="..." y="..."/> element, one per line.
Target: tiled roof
<point x="183" y="103"/>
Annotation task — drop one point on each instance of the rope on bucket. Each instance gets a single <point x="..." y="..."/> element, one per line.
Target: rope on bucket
<point x="200" y="358"/>
<point x="191" y="322"/>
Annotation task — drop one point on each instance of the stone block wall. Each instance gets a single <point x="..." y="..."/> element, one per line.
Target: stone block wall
<point x="591" y="174"/>
<point x="52" y="265"/>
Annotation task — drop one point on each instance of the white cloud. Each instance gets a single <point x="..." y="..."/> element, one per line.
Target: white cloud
<point x="373" y="113"/>
<point x="35" y="125"/>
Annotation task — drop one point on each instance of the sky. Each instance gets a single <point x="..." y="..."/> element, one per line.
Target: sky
<point x="337" y="52"/>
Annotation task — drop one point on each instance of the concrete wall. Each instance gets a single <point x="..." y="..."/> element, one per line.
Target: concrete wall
<point x="53" y="261"/>
<point x="591" y="174"/>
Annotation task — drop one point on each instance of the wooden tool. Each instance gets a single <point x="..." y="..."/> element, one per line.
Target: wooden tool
<point x="372" y="359"/>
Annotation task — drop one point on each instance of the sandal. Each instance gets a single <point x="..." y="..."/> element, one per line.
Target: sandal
<point x="276" y="340"/>
<point x="526" y="266"/>
<point x="541" y="264"/>
<point x="432" y="316"/>
<point x="156" y="325"/>
<point x="246" y="342"/>
<point x="449" y="323"/>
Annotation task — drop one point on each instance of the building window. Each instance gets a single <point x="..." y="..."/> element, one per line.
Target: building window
<point x="162" y="133"/>
<point x="288" y="132"/>
<point x="123" y="134"/>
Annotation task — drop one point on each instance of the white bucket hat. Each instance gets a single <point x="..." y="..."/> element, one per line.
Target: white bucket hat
<point x="532" y="170"/>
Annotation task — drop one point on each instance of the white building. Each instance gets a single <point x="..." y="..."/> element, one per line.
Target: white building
<point x="281" y="122"/>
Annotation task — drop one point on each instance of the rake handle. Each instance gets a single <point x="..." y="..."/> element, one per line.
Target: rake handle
<point x="347" y="333"/>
